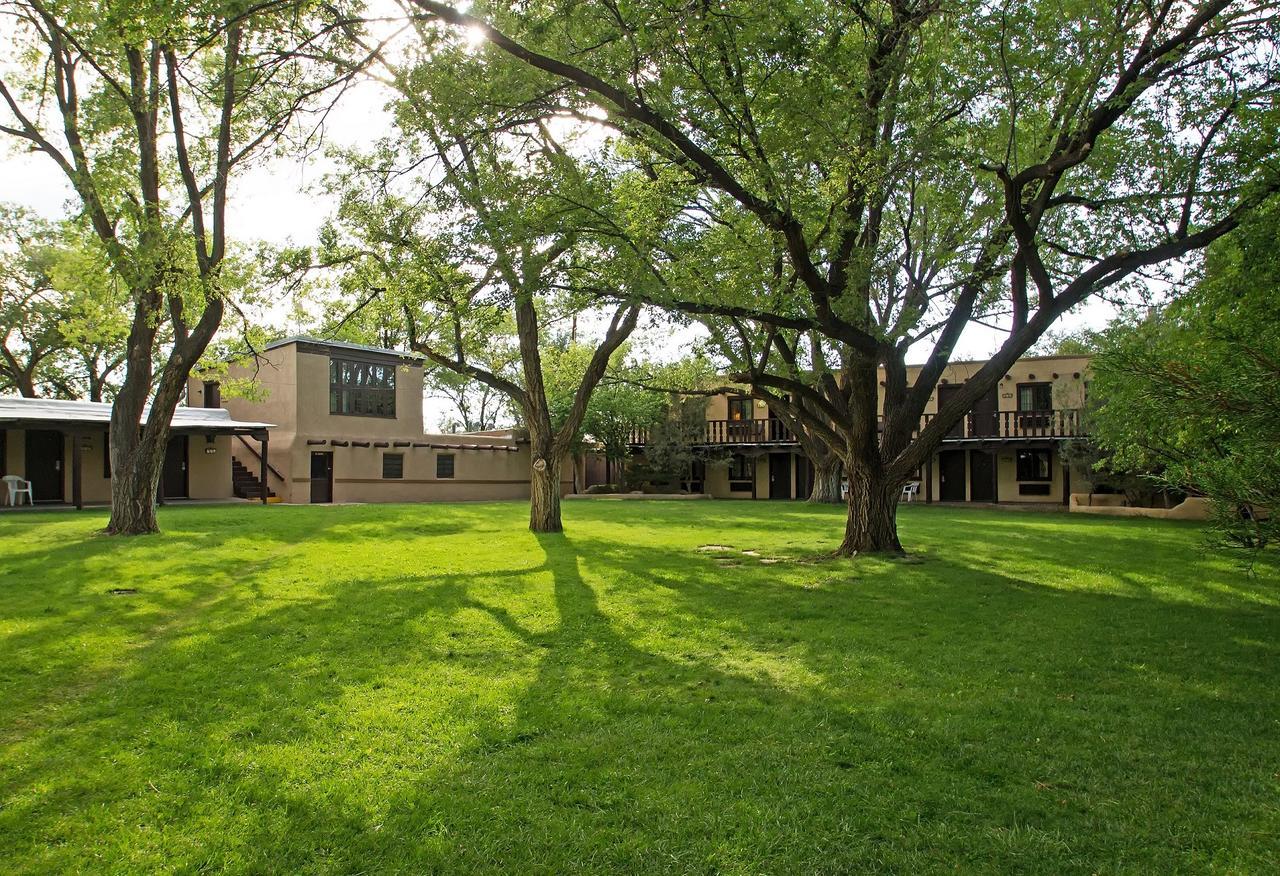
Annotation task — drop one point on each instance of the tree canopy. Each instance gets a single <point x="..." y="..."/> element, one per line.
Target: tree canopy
<point x="886" y="174"/>
<point x="1190" y="393"/>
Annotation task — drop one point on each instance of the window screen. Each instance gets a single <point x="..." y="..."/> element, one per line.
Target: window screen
<point x="393" y="465"/>
<point x="444" y="465"/>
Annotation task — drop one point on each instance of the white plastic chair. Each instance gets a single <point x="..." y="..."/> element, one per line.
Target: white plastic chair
<point x="910" y="491"/>
<point x="18" y="487"/>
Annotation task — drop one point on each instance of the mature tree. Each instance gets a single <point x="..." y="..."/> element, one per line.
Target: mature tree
<point x="30" y="308"/>
<point x="477" y="406"/>
<point x="1191" y="392"/>
<point x="481" y="226"/>
<point x="914" y="167"/>
<point x="148" y="109"/>
<point x="62" y="320"/>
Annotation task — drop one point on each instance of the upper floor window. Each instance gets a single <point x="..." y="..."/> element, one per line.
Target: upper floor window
<point x="366" y="389"/>
<point x="740" y="408"/>
<point x="1035" y="396"/>
<point x="212" y="394"/>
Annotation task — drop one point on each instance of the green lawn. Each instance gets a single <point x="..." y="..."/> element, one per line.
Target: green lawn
<point x="410" y="689"/>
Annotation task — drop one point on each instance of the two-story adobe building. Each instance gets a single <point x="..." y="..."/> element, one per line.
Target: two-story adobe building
<point x="348" y="428"/>
<point x="1007" y="449"/>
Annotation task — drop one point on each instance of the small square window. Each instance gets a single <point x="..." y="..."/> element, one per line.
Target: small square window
<point x="393" y="465"/>
<point x="1033" y="465"/>
<point x="444" y="465"/>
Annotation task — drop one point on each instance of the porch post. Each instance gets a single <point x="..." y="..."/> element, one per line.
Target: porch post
<point x="928" y="480"/>
<point x="265" y="440"/>
<point x="1066" y="482"/>
<point x="77" y="479"/>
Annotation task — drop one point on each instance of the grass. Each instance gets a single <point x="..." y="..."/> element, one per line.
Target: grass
<point x="415" y="689"/>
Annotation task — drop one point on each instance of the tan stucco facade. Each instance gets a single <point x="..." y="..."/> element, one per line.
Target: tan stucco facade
<point x="1060" y="379"/>
<point x="207" y="465"/>
<point x="293" y="392"/>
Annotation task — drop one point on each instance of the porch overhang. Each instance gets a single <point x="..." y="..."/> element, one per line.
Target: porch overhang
<point x="81" y="418"/>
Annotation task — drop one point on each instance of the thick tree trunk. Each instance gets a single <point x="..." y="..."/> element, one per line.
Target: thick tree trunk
<point x="872" y="524"/>
<point x="136" y="459"/>
<point x="826" y="482"/>
<point x="544" y="485"/>
<point x="544" y="499"/>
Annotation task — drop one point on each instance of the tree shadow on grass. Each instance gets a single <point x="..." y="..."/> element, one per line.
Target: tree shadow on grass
<point x="614" y="706"/>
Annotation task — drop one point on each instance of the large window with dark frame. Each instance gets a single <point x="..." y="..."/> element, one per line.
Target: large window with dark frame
<point x="1033" y="465"/>
<point x="362" y="389"/>
<point x="1035" y="407"/>
<point x="1035" y="396"/>
<point x="741" y="474"/>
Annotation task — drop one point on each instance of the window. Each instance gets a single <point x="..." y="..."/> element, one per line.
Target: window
<point x="740" y="408"/>
<point x="106" y="455"/>
<point x="212" y="394"/>
<point x="1035" y="396"/>
<point x="741" y="474"/>
<point x="1033" y="465"/>
<point x="444" y="465"/>
<point x="364" y="389"/>
<point x="393" y="465"/>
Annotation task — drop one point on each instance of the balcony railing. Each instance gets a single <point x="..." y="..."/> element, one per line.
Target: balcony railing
<point x="734" y="432"/>
<point x="1065" y="423"/>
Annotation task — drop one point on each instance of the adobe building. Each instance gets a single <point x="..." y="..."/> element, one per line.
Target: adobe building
<point x="1008" y="448"/>
<point x="348" y="428"/>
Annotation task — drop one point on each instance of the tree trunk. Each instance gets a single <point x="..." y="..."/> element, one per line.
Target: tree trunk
<point x="872" y="524"/>
<point x="136" y="459"/>
<point x="544" y="487"/>
<point x="826" y="482"/>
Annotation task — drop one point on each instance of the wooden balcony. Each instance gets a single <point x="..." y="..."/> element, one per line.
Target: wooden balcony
<point x="1009" y="425"/>
<point x="997" y="426"/>
<point x="733" y="432"/>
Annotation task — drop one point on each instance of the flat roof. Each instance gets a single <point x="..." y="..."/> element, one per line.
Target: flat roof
<point x="16" y="409"/>
<point x="341" y="345"/>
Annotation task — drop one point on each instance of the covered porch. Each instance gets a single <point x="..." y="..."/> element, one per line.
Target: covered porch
<point x="62" y="448"/>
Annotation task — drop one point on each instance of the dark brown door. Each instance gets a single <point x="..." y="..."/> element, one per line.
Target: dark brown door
<point x="321" y="476"/>
<point x="951" y="475"/>
<point x="944" y="395"/>
<point x="173" y="479"/>
<point x="44" y="464"/>
<point x="984" y="415"/>
<point x="982" y="476"/>
<point x="779" y="475"/>
<point x="804" y="477"/>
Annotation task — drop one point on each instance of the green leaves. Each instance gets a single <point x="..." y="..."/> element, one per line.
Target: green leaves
<point x="1190" y="392"/>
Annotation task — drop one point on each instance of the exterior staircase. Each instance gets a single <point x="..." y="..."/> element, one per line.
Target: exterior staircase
<point x="245" y="484"/>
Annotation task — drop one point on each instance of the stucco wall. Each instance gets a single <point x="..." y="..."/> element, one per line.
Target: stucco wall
<point x="208" y="474"/>
<point x="478" y="474"/>
<point x="1007" y="484"/>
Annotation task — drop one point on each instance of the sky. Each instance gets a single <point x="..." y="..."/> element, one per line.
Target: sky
<point x="280" y="202"/>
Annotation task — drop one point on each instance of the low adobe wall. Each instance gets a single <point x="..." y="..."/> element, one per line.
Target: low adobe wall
<point x="1190" y="508"/>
